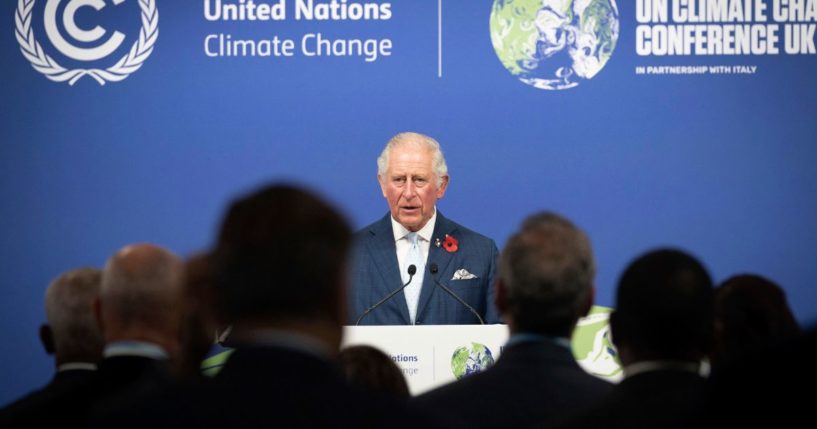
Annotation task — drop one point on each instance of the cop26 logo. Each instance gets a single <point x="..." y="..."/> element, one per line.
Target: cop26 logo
<point x="89" y="46"/>
<point x="554" y="44"/>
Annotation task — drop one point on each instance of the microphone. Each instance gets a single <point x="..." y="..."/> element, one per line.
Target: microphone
<point x="412" y="269"/>
<point x="433" y="268"/>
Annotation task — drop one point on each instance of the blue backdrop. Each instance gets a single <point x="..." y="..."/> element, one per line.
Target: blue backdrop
<point x="719" y="164"/>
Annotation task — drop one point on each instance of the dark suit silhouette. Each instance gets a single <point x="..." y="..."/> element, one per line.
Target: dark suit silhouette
<point x="654" y="399"/>
<point x="375" y="273"/>
<point x="122" y="378"/>
<point x="25" y="411"/>
<point x="531" y="382"/>
<point x="118" y="372"/>
<point x="270" y="386"/>
<point x="768" y="388"/>
<point x="117" y="379"/>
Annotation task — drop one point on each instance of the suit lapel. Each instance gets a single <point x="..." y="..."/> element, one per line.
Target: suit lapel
<point x="384" y="256"/>
<point x="436" y="255"/>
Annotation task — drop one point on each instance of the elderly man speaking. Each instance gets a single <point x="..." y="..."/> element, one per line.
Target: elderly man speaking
<point x="414" y="266"/>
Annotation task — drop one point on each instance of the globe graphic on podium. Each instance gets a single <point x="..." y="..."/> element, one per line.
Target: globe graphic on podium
<point x="471" y="360"/>
<point x="554" y="44"/>
<point x="593" y="346"/>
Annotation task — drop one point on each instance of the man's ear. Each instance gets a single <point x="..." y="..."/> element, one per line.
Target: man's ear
<point x="47" y="338"/>
<point x="443" y="187"/>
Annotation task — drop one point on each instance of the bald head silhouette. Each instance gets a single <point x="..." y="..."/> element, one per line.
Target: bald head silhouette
<point x="140" y="296"/>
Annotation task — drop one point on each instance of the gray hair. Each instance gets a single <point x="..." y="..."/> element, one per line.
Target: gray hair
<point x="141" y="287"/>
<point x="69" y="302"/>
<point x="437" y="159"/>
<point x="547" y="269"/>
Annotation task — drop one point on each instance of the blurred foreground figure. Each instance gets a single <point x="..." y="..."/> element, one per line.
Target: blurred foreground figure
<point x="764" y="367"/>
<point x="370" y="368"/>
<point x="545" y="285"/>
<point x="71" y="335"/>
<point x="661" y="327"/>
<point x="279" y="270"/>
<point x="751" y="314"/>
<point x="202" y="321"/>
<point x="138" y="312"/>
<point x="768" y="388"/>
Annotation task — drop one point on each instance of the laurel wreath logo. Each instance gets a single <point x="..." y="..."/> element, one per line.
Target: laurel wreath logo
<point x="46" y="65"/>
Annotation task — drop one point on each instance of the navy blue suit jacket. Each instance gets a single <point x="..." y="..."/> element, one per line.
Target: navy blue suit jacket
<point x="375" y="273"/>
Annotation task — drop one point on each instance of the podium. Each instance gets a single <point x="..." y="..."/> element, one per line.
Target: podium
<point x="431" y="356"/>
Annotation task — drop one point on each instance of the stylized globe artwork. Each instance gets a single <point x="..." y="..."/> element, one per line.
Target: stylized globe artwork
<point x="471" y="360"/>
<point x="593" y="346"/>
<point x="554" y="44"/>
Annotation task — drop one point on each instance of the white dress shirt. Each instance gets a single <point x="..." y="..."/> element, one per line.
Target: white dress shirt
<point x="402" y="244"/>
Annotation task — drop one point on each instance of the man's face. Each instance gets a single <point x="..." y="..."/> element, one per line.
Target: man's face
<point x="410" y="185"/>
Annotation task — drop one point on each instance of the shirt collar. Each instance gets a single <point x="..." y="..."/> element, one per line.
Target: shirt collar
<point x="70" y="366"/>
<point x="425" y="232"/>
<point x="135" y="348"/>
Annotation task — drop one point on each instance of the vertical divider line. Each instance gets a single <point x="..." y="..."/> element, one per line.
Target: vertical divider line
<point x="440" y="38"/>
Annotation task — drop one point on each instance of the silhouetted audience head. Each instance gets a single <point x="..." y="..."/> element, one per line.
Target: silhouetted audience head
<point x="72" y="334"/>
<point x="664" y="308"/>
<point x="751" y="313"/>
<point x="372" y="369"/>
<point x="202" y="321"/>
<point x="281" y="257"/>
<point x="141" y="296"/>
<point x="546" y="276"/>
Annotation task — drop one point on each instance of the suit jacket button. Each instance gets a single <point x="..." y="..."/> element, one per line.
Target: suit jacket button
<point x="417" y="322"/>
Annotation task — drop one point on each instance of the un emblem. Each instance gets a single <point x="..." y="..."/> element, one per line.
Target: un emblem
<point x="88" y="45"/>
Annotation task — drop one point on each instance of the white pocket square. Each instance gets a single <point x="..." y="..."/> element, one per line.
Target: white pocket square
<point x="463" y="274"/>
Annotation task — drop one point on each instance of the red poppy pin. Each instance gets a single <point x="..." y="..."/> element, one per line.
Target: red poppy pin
<point x="450" y="244"/>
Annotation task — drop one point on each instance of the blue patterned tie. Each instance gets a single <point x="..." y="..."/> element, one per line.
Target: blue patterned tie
<point x="412" y="291"/>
